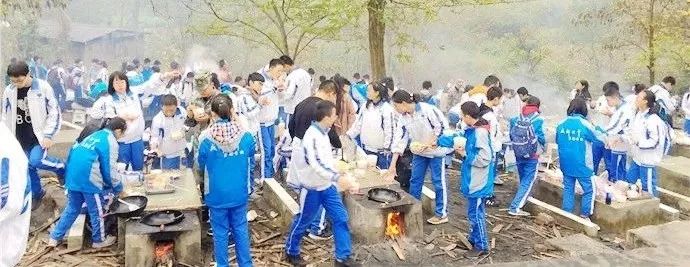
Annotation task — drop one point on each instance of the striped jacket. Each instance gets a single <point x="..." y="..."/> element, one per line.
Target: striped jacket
<point x="43" y="109"/>
<point x="96" y="156"/>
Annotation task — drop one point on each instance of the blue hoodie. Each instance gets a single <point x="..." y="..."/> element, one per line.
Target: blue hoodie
<point x="574" y="136"/>
<point x="477" y="173"/>
<point x="91" y="163"/>
<point x="225" y="153"/>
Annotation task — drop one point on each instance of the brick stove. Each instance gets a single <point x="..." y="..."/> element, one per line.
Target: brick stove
<point x="146" y="244"/>
<point x="368" y="218"/>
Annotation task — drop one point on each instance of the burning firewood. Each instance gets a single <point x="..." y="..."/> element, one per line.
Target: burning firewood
<point x="394" y="229"/>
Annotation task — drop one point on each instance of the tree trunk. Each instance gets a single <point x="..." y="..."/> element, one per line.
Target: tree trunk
<point x="651" y="64"/>
<point x="377" y="31"/>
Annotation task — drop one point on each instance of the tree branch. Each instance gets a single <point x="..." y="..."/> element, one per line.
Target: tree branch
<point x="215" y="13"/>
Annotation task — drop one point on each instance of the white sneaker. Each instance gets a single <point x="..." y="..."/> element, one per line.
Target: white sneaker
<point x="53" y="242"/>
<point x="436" y="220"/>
<point x="109" y="241"/>
<point x="519" y="213"/>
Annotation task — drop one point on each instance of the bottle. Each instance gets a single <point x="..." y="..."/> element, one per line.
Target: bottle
<point x="608" y="195"/>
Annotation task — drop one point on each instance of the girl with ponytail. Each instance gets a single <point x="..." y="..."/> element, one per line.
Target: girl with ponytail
<point x="374" y="126"/>
<point x="421" y="125"/>
<point x="224" y="146"/>
<point x="649" y="140"/>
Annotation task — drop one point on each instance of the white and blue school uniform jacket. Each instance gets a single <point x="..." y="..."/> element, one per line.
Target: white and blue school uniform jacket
<point x="111" y="106"/>
<point x="619" y="122"/>
<point x="162" y="130"/>
<point x="478" y="167"/>
<point x="651" y="137"/>
<point x="42" y="105"/>
<point x="494" y="130"/>
<point x="247" y="106"/>
<point x="426" y="124"/>
<point x="313" y="166"/>
<point x="575" y="135"/>
<point x="685" y="105"/>
<point x="15" y="199"/>
<point x="664" y="97"/>
<point x="268" y="114"/>
<point x="375" y="127"/>
<point x="91" y="163"/>
<point x="218" y="154"/>
<point x="298" y="88"/>
<point x="135" y="78"/>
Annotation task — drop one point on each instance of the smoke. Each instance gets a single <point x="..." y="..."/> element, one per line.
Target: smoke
<point x="199" y="57"/>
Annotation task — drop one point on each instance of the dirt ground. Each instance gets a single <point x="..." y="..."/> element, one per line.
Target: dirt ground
<point x="512" y="239"/>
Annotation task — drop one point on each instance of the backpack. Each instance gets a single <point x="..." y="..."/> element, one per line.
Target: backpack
<point x="53" y="78"/>
<point x="523" y="139"/>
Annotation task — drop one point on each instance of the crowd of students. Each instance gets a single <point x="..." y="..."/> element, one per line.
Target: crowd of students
<point x="204" y="121"/>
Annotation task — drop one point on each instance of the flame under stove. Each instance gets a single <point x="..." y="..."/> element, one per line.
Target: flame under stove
<point x="164" y="253"/>
<point x="375" y="222"/>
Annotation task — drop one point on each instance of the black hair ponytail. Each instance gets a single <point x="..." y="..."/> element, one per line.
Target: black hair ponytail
<point x="402" y="96"/>
<point x="383" y="92"/>
<point x="653" y="106"/>
<point x="93" y="126"/>
<point x="222" y="106"/>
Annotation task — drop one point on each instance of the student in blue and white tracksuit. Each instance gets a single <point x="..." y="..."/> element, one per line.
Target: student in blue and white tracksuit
<point x="123" y="101"/>
<point x="298" y="86"/>
<point x="618" y="126"/>
<point x="486" y="111"/>
<point x="685" y="106"/>
<point x="527" y="167"/>
<point x="15" y="199"/>
<point x="224" y="146"/>
<point x="424" y="124"/>
<point x="375" y="126"/>
<point x="247" y="106"/>
<point x="477" y="176"/>
<point x="268" y="114"/>
<point x="313" y="171"/>
<point x="90" y="174"/>
<point x="168" y="133"/>
<point x="31" y="112"/>
<point x="602" y="116"/>
<point x="649" y="141"/>
<point x="575" y="135"/>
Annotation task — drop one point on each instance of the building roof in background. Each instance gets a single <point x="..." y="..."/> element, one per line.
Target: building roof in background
<point x="83" y="33"/>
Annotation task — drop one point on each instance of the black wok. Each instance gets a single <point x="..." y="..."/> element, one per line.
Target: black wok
<point x="162" y="218"/>
<point x="383" y="195"/>
<point x="122" y="210"/>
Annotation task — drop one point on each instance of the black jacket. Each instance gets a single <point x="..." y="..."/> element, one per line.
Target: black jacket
<point x="305" y="113"/>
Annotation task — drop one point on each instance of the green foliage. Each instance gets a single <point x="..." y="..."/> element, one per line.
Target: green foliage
<point x="653" y="31"/>
<point x="29" y="7"/>
<point x="287" y="27"/>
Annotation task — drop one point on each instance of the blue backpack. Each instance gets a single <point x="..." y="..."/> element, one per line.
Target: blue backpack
<point x="523" y="139"/>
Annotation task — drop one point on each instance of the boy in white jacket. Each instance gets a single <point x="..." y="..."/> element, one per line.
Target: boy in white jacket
<point x="249" y="108"/>
<point x="31" y="112"/>
<point x="168" y="133"/>
<point x="316" y="177"/>
<point x="268" y="114"/>
<point x="622" y="116"/>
